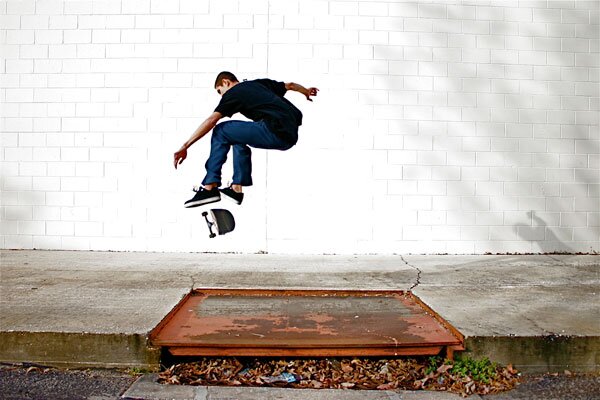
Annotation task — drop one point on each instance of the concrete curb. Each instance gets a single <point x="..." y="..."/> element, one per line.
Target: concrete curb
<point x="146" y="388"/>
<point x="79" y="350"/>
<point x="539" y="354"/>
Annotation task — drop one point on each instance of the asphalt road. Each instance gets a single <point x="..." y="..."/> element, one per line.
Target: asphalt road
<point x="555" y="387"/>
<point x="23" y="383"/>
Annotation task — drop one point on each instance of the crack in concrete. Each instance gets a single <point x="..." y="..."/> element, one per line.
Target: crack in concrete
<point x="535" y="324"/>
<point x="556" y="260"/>
<point x="189" y="278"/>
<point x="418" y="281"/>
<point x="562" y="263"/>
<point x="514" y="308"/>
<point x="193" y="283"/>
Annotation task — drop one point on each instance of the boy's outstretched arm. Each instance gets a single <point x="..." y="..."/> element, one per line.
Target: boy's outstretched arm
<point x="312" y="91"/>
<point x="202" y="130"/>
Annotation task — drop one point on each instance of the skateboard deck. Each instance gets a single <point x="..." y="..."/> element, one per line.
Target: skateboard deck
<point x="222" y="220"/>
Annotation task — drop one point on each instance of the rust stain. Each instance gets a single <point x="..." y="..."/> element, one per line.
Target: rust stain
<point x="328" y="321"/>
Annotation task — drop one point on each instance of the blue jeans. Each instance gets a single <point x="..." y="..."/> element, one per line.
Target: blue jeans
<point x="241" y="135"/>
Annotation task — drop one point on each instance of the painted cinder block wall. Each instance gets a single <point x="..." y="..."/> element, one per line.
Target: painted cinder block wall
<point x="440" y="127"/>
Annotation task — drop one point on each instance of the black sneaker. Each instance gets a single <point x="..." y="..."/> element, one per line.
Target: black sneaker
<point x="232" y="195"/>
<point x="202" y="197"/>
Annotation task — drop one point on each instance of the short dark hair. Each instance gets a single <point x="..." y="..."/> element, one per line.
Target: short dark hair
<point x="225" y="75"/>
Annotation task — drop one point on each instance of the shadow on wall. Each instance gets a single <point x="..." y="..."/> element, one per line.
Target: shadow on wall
<point x="539" y="232"/>
<point x="520" y="130"/>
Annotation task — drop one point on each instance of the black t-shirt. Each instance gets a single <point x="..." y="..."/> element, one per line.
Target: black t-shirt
<point x="262" y="100"/>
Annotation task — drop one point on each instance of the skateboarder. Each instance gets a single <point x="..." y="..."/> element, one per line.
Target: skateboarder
<point x="275" y="126"/>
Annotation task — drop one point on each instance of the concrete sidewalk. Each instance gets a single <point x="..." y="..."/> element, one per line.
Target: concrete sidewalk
<point x="540" y="313"/>
<point x="146" y="388"/>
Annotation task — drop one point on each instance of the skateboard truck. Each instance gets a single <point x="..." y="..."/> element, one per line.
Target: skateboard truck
<point x="222" y="220"/>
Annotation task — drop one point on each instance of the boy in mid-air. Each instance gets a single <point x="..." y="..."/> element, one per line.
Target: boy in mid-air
<point x="274" y="126"/>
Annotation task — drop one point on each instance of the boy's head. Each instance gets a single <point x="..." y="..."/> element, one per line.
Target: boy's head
<point x="225" y="81"/>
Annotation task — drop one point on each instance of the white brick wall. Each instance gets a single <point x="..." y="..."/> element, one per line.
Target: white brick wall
<point x="459" y="126"/>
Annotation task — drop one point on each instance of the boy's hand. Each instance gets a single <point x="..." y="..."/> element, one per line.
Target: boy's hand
<point x="179" y="156"/>
<point x="311" y="92"/>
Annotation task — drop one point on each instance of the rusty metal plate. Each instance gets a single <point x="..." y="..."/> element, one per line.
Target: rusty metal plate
<point x="219" y="322"/>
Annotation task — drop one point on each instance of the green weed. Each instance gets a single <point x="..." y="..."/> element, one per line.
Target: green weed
<point x="432" y="364"/>
<point x="135" y="371"/>
<point x="479" y="370"/>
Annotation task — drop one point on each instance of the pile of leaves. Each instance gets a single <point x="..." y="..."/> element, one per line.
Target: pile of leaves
<point x="464" y="376"/>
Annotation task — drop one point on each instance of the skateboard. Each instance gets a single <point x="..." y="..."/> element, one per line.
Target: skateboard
<point x="222" y="220"/>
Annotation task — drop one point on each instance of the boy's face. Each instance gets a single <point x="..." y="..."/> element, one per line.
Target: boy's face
<point x="225" y="85"/>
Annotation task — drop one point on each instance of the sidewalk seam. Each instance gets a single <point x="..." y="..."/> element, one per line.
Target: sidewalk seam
<point x="418" y="281"/>
<point x="545" y="332"/>
<point x="193" y="281"/>
<point x="202" y="393"/>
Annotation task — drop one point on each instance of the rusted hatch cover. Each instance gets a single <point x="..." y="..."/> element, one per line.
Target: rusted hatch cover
<point x="315" y="323"/>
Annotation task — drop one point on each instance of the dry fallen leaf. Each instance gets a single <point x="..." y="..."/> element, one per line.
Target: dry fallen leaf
<point x="444" y="368"/>
<point x="316" y="384"/>
<point x="387" y="386"/>
<point x="511" y="369"/>
<point x="347" y="368"/>
<point x="356" y="373"/>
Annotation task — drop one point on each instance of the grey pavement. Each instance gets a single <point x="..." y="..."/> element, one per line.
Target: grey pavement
<point x="146" y="388"/>
<point x="539" y="312"/>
